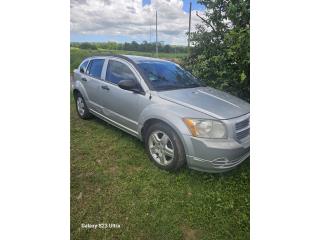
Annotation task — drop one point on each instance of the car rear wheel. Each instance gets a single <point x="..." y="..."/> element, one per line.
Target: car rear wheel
<point x="164" y="147"/>
<point x="82" y="108"/>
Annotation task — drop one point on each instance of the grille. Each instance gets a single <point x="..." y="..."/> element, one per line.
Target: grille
<point x="243" y="134"/>
<point x="242" y="129"/>
<point x="242" y="124"/>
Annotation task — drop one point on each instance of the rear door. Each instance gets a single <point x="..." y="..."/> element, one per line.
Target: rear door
<point x="79" y="72"/>
<point x="92" y="81"/>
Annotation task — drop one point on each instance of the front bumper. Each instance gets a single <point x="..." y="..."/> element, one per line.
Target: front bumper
<point x="215" y="155"/>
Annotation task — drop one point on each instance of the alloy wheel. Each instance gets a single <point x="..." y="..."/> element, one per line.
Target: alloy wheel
<point x="80" y="106"/>
<point x="161" y="147"/>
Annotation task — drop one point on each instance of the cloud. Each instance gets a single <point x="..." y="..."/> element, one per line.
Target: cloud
<point x="130" y="19"/>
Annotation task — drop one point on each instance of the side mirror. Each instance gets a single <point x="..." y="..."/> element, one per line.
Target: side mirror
<point x="82" y="70"/>
<point x="128" y="85"/>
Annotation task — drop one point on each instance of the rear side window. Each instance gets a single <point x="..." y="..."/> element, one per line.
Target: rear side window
<point x="84" y="65"/>
<point x="118" y="71"/>
<point x="95" y="68"/>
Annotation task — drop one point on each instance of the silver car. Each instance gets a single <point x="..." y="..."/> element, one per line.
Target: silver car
<point x="180" y="120"/>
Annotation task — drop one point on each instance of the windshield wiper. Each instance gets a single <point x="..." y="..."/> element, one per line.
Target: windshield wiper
<point x="193" y="85"/>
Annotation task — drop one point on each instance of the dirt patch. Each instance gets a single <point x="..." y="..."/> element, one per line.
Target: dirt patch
<point x="113" y="170"/>
<point x="134" y="169"/>
<point x="190" y="234"/>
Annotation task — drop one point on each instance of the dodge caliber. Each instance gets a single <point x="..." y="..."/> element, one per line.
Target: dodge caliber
<point x="180" y="120"/>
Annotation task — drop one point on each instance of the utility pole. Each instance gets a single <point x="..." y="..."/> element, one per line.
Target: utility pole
<point x="150" y="41"/>
<point x="150" y="34"/>
<point x="189" y="26"/>
<point x="156" y="34"/>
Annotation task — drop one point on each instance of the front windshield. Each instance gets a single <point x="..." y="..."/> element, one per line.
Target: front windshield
<point x="167" y="75"/>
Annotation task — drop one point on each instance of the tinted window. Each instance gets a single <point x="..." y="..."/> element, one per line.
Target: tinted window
<point x="167" y="75"/>
<point x="118" y="71"/>
<point x="84" y="65"/>
<point x="95" y="68"/>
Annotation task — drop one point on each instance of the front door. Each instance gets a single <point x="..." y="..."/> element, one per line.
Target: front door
<point x="122" y="106"/>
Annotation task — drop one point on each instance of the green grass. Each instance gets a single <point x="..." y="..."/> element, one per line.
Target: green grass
<point x="113" y="181"/>
<point x="77" y="55"/>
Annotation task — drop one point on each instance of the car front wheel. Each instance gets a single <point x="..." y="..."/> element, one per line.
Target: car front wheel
<point x="164" y="147"/>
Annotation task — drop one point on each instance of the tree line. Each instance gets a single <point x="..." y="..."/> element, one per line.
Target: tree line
<point x="131" y="46"/>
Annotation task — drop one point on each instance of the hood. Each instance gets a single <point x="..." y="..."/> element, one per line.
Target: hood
<point x="208" y="100"/>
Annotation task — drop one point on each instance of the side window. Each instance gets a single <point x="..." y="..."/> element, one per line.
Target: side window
<point x="118" y="71"/>
<point x="95" y="68"/>
<point x="84" y="65"/>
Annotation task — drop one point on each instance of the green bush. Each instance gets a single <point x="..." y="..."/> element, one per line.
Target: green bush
<point x="221" y="52"/>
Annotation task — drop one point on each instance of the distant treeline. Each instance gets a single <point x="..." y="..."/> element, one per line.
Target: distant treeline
<point x="133" y="46"/>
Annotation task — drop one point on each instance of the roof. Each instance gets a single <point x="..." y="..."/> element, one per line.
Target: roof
<point x="131" y="58"/>
<point x="138" y="59"/>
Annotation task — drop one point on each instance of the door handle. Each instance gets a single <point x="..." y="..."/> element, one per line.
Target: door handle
<point x="105" y="87"/>
<point x="84" y="79"/>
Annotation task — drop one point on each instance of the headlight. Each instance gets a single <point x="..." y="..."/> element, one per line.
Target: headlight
<point x="206" y="128"/>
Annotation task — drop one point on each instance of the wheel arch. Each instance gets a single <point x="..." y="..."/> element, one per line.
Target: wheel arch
<point x="79" y="88"/>
<point x="179" y="129"/>
<point x="148" y="123"/>
<point x="75" y="93"/>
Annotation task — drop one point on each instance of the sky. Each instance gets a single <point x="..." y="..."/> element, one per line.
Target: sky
<point x="132" y="20"/>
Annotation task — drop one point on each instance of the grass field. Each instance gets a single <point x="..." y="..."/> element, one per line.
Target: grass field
<point x="113" y="181"/>
<point x="77" y="55"/>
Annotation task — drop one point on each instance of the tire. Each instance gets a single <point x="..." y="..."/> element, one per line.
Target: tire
<point x="164" y="147"/>
<point x="81" y="107"/>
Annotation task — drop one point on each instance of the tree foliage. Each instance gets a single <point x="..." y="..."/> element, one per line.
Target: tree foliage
<point x="221" y="52"/>
<point x="87" y="46"/>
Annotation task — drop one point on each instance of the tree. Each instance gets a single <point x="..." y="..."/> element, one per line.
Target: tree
<point x="87" y="45"/>
<point x="221" y="52"/>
